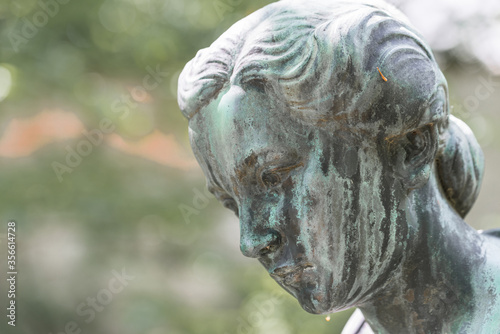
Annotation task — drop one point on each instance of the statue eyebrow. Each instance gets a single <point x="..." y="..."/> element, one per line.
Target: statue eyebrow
<point x="252" y="159"/>
<point x="287" y="168"/>
<point x="288" y="162"/>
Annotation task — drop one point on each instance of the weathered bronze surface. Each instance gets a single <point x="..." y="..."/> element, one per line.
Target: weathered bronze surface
<point x="325" y="126"/>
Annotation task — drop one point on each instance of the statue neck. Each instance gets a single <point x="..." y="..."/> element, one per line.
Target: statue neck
<point x="433" y="291"/>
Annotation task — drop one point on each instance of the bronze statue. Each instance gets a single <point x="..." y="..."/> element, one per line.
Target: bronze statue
<point x="324" y="125"/>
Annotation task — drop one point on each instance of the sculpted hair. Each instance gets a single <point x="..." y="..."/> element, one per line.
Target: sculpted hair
<point x="326" y="58"/>
<point x="460" y="166"/>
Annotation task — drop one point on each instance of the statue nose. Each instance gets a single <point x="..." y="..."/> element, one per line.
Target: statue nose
<point x="260" y="244"/>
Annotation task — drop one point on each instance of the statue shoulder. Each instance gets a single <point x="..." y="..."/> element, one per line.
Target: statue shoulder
<point x="357" y="324"/>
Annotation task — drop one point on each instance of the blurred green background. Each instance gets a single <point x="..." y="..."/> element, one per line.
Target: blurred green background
<point x="132" y="197"/>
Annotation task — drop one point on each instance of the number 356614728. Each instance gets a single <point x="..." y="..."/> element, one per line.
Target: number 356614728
<point x="11" y="238"/>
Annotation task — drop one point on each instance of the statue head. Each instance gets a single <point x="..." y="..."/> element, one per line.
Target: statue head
<point x="325" y="126"/>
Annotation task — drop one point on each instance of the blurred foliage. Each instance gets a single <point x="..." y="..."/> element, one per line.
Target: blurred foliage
<point x="85" y="53"/>
<point x="116" y="210"/>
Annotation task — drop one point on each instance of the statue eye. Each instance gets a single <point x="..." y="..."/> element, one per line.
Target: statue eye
<point x="274" y="177"/>
<point x="271" y="179"/>
<point x="230" y="204"/>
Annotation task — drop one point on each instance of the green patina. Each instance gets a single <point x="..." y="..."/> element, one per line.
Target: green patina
<point x="350" y="189"/>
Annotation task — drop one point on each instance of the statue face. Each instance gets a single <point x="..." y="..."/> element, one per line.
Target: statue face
<point x="311" y="203"/>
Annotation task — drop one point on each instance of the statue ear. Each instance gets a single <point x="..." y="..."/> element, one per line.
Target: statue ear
<point x="414" y="154"/>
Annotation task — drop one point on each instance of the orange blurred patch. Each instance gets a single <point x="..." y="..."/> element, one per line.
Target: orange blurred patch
<point x="139" y="94"/>
<point x="24" y="136"/>
<point x="157" y="147"/>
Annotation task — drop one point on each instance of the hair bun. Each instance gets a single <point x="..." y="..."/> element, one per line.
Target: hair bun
<point x="460" y="166"/>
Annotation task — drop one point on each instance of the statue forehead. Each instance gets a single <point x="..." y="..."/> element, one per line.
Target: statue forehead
<point x="244" y="121"/>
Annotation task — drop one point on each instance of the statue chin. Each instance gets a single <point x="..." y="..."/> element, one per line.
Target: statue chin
<point x="314" y="307"/>
<point x="317" y="300"/>
<point x="309" y="296"/>
<point x="321" y="297"/>
<point x="315" y="292"/>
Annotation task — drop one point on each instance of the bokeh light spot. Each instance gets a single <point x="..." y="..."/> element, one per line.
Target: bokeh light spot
<point x="5" y="82"/>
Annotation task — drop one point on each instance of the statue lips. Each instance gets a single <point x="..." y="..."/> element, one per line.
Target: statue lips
<point x="292" y="276"/>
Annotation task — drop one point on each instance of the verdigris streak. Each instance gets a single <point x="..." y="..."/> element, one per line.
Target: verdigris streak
<point x="324" y="125"/>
